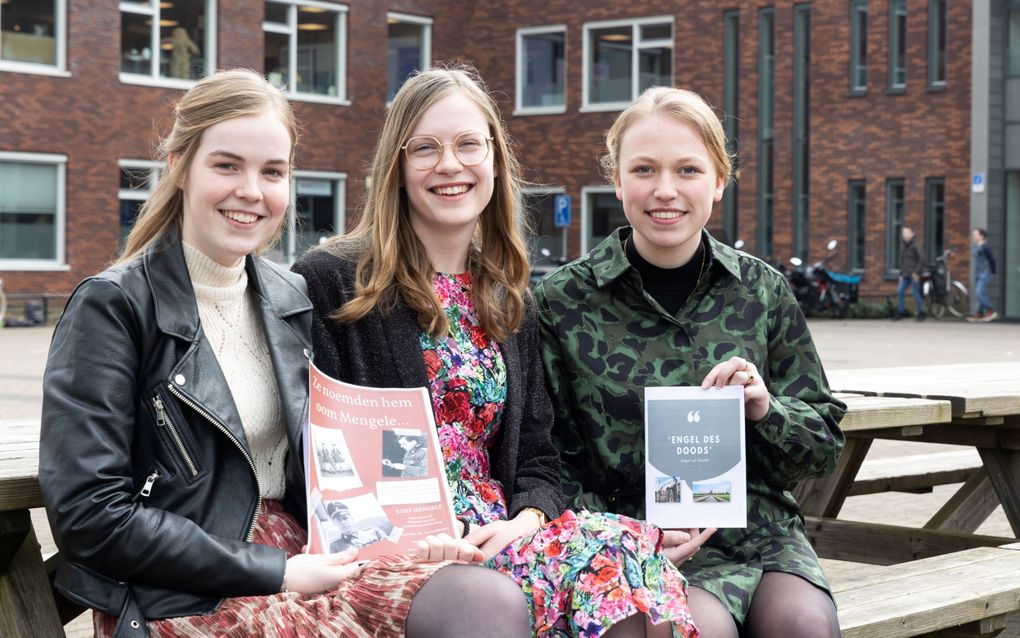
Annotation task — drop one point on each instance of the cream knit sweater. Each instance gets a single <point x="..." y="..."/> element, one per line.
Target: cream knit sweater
<point x="237" y="337"/>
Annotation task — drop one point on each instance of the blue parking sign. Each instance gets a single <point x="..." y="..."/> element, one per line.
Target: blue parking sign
<point x="561" y="204"/>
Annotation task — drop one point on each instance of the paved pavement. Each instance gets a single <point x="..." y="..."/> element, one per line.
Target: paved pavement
<point x="841" y="344"/>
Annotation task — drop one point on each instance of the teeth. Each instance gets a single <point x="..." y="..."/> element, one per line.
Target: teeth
<point x="665" y="214"/>
<point x="244" y="218"/>
<point x="451" y="190"/>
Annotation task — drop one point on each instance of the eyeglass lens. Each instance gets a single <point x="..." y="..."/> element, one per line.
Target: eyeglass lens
<point x="425" y="152"/>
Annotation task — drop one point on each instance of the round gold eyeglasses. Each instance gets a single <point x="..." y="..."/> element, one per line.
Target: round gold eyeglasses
<point x="424" y="152"/>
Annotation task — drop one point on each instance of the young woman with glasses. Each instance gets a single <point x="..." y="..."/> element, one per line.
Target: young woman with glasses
<point x="430" y="289"/>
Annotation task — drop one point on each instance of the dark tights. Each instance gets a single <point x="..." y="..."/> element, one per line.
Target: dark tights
<point x="783" y="606"/>
<point x="465" y="601"/>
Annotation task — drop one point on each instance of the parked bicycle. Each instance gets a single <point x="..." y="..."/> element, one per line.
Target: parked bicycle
<point x="941" y="292"/>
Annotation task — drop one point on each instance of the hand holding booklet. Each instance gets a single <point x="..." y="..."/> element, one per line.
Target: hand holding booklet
<point x="374" y="472"/>
<point x="695" y="465"/>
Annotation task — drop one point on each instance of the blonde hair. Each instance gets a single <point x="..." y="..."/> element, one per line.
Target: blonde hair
<point x="686" y="106"/>
<point x="219" y="97"/>
<point x="393" y="260"/>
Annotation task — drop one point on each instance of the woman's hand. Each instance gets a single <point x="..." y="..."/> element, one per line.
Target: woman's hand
<point x="738" y="371"/>
<point x="678" y="545"/>
<point x="316" y="573"/>
<point x="443" y="547"/>
<point x="493" y="537"/>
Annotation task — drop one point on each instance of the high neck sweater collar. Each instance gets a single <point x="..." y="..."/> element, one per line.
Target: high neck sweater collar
<point x="211" y="280"/>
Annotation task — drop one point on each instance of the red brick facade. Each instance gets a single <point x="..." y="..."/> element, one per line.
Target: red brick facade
<point x="95" y="119"/>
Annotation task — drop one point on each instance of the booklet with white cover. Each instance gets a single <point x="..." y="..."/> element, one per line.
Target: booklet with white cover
<point x="695" y="458"/>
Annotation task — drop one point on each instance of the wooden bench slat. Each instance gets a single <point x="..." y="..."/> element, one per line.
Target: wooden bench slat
<point x="916" y="472"/>
<point x="931" y="594"/>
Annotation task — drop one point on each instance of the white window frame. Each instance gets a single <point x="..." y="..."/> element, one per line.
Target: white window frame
<point x="586" y="212"/>
<point x="522" y="33"/>
<point x="425" y="61"/>
<point x="637" y="43"/>
<point x="339" y="206"/>
<point x="155" y="169"/>
<point x="154" y="78"/>
<point x="59" y="222"/>
<point x="290" y="30"/>
<point x="59" y="68"/>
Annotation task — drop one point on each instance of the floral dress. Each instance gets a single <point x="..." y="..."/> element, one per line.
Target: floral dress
<point x="582" y="572"/>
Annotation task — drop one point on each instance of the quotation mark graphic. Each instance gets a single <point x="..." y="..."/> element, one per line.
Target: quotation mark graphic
<point x="694" y="416"/>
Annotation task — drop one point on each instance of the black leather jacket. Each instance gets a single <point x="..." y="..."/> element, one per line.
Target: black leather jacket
<point x="143" y="464"/>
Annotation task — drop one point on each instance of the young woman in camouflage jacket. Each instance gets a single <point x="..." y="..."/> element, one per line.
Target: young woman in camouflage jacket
<point x="662" y="303"/>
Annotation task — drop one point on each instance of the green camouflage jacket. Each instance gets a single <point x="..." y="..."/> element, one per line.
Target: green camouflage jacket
<point x="605" y="339"/>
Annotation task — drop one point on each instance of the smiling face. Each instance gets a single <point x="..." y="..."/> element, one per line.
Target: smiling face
<point x="237" y="187"/>
<point x="446" y="201"/>
<point x="667" y="183"/>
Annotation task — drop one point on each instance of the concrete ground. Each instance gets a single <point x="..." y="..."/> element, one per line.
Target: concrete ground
<point x="841" y="344"/>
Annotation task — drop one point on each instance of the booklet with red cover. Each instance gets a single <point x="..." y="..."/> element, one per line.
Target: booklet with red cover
<point x="374" y="471"/>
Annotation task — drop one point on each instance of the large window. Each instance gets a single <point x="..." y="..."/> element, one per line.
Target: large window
<point x="547" y="244"/>
<point x="936" y="43"/>
<point x="32" y="35"/>
<point x="304" y="48"/>
<point x="31" y="211"/>
<point x="857" y="225"/>
<point x="801" y="128"/>
<point x="137" y="180"/>
<point x="897" y="44"/>
<point x="317" y="199"/>
<point x="623" y="58"/>
<point x="858" y="46"/>
<point x="602" y="214"/>
<point x="893" y="225"/>
<point x="934" y="217"/>
<point x="541" y="70"/>
<point x="408" y="48"/>
<point x="167" y="42"/>
<point x="766" y="103"/>
<point x="731" y="104"/>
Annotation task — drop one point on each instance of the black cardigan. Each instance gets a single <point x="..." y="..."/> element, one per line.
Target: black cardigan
<point x="383" y="350"/>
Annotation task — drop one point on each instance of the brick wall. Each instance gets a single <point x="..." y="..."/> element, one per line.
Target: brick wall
<point x="96" y="120"/>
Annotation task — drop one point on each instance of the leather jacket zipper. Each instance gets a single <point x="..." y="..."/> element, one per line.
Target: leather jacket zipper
<point x="163" y="420"/>
<point x="150" y="480"/>
<point x="222" y="428"/>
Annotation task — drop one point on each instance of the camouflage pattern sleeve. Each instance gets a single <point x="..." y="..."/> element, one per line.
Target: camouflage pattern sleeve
<point x="565" y="434"/>
<point x="800" y="436"/>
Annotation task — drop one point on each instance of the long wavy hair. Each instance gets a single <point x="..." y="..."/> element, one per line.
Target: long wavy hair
<point x="686" y="106"/>
<point x="216" y="98"/>
<point x="392" y="261"/>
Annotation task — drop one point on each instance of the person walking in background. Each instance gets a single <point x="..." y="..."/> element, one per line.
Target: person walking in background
<point x="911" y="262"/>
<point x="984" y="268"/>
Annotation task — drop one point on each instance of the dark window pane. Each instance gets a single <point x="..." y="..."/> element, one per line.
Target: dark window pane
<point x="610" y="65"/>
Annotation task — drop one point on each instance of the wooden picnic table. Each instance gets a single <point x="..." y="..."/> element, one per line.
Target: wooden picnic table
<point x="27" y="604"/>
<point x="973" y="405"/>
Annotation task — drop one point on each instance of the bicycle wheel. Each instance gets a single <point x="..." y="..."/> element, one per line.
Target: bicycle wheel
<point x="934" y="307"/>
<point x="957" y="299"/>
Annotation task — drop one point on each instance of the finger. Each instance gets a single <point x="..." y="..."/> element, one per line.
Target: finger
<point x="481" y="534"/>
<point x="674" y="537"/>
<point x="352" y="570"/>
<point x="342" y="558"/>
